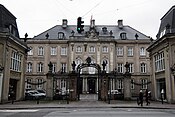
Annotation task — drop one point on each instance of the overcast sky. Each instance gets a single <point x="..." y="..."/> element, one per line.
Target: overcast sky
<point x="36" y="16"/>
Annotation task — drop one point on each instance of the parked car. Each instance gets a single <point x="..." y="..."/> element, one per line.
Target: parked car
<point x="34" y="94"/>
<point x="41" y="91"/>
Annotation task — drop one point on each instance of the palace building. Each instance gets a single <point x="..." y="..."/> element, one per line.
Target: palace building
<point x="113" y="45"/>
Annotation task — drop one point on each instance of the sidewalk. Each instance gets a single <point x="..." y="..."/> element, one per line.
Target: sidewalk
<point x="83" y="104"/>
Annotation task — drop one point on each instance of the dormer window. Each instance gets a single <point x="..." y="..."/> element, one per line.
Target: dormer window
<point x="104" y="29"/>
<point x="60" y="35"/>
<point x="123" y="35"/>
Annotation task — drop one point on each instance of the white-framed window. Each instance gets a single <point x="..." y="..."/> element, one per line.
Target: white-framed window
<point x="63" y="67"/>
<point x="123" y="35"/>
<point x="63" y="51"/>
<point x="132" y="83"/>
<point x="92" y="49"/>
<point x="16" y="59"/>
<point x="130" y="51"/>
<point x="120" y="84"/>
<point x="120" y="51"/>
<point x="28" y="83"/>
<point x="30" y="52"/>
<point x="144" y="83"/>
<point x="53" y="50"/>
<point x="79" y="49"/>
<point x="40" y="85"/>
<point x="163" y="32"/>
<point x="40" y="51"/>
<point x="142" y="51"/>
<point x="143" y="68"/>
<point x="120" y="67"/>
<point x="131" y="68"/>
<point x="60" y="35"/>
<point x="159" y="62"/>
<point x="104" y="49"/>
<point x="40" y="67"/>
<point x="54" y="67"/>
<point x="29" y="67"/>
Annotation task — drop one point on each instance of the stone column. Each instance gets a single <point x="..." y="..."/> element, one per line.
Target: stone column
<point x="104" y="88"/>
<point x="50" y="87"/>
<point x="73" y="86"/>
<point x="127" y="83"/>
<point x="127" y="86"/>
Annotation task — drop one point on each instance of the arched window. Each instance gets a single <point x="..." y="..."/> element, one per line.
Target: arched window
<point x="29" y="67"/>
<point x="142" y="51"/>
<point x="92" y="49"/>
<point x="39" y="81"/>
<point x="28" y="86"/>
<point x="143" y="68"/>
<point x="79" y="49"/>
<point x="123" y="35"/>
<point x="105" y="49"/>
<point x="40" y="51"/>
<point x="40" y="67"/>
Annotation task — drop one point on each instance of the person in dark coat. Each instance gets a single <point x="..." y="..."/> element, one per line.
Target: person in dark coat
<point x="147" y="97"/>
<point x="140" y="99"/>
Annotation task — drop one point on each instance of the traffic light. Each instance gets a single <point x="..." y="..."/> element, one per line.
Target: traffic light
<point x="79" y="25"/>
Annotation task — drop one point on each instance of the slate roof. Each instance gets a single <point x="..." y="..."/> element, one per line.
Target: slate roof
<point x="130" y="32"/>
<point x="7" y="19"/>
<point x="167" y="22"/>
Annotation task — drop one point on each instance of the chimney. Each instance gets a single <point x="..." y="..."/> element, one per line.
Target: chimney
<point x="92" y="25"/>
<point x="64" y="23"/>
<point x="120" y="24"/>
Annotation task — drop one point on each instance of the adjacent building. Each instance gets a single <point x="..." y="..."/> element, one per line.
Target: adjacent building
<point x="12" y="59"/>
<point x="162" y="59"/>
<point x="113" y="44"/>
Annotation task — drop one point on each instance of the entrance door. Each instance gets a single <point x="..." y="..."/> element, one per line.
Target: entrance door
<point x="12" y="89"/>
<point x="91" y="85"/>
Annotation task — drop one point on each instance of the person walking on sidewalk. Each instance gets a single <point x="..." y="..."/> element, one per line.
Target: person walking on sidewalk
<point x="162" y="95"/>
<point x="140" y="99"/>
<point x="147" y="97"/>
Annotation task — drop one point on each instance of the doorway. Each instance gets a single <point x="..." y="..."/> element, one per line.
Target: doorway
<point x="12" y="89"/>
<point x="92" y="85"/>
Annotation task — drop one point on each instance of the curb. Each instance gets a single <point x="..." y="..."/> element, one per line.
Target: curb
<point x="69" y="107"/>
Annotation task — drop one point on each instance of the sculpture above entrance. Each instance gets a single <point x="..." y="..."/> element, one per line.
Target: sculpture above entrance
<point x="88" y="60"/>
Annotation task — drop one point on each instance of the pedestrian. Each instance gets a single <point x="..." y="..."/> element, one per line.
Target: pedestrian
<point x="162" y="95"/>
<point x="140" y="99"/>
<point x="147" y="97"/>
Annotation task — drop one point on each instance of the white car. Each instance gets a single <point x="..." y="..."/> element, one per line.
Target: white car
<point x="36" y="93"/>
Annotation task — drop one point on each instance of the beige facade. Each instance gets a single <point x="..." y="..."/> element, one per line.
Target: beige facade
<point x="162" y="59"/>
<point x="162" y="67"/>
<point x="113" y="50"/>
<point x="12" y="60"/>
